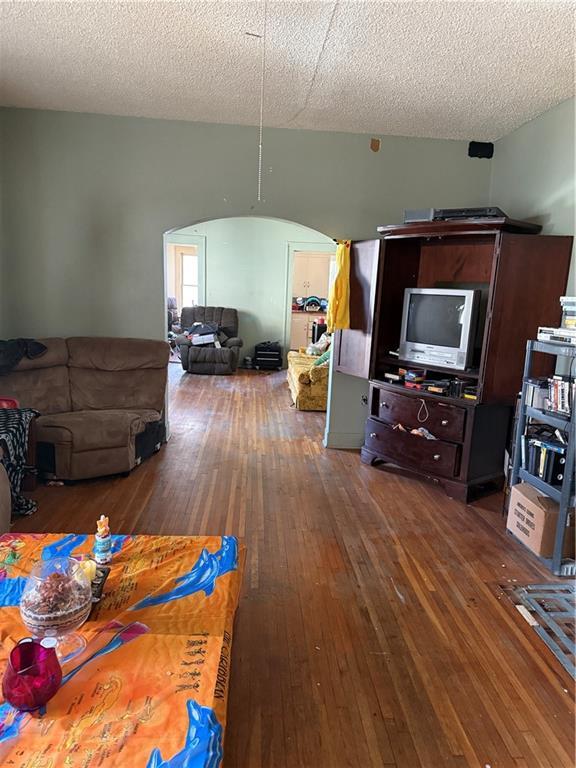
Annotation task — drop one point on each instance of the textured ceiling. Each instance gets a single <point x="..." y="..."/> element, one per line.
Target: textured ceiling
<point x="463" y="70"/>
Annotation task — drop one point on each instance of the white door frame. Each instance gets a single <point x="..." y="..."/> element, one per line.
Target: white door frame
<point x="292" y="247"/>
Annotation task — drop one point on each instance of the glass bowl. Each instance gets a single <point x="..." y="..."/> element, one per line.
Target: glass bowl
<point x="56" y="601"/>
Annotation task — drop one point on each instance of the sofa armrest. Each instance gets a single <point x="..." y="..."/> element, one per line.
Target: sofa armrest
<point x="183" y="340"/>
<point x="233" y="342"/>
<point x="319" y="373"/>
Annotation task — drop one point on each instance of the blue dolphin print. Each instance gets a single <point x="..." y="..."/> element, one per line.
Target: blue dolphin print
<point x="202" y="577"/>
<point x="203" y="747"/>
<point x="63" y="547"/>
<point x="12" y="729"/>
<point x="11" y="590"/>
<point x="118" y="541"/>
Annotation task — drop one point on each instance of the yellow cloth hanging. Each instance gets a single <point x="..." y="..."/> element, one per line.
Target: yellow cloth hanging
<point x="338" y="316"/>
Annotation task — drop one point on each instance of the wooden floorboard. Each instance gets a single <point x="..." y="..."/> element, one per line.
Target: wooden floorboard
<point x="371" y="631"/>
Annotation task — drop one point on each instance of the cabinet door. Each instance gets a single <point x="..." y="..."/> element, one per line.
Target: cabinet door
<point x="299" y="331"/>
<point x="300" y="275"/>
<point x="530" y="274"/>
<point x="318" y="275"/>
<point x="353" y="347"/>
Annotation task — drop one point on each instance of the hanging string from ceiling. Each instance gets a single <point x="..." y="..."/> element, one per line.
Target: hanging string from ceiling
<point x="262" y="84"/>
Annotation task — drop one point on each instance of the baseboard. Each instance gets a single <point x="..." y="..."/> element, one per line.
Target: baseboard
<point x="343" y="440"/>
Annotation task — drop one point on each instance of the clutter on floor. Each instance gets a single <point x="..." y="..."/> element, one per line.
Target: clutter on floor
<point x="550" y="609"/>
<point x="267" y="356"/>
<point x="320" y="346"/>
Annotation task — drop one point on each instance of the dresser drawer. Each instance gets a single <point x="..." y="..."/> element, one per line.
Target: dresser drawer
<point x="444" y="421"/>
<point x="434" y="456"/>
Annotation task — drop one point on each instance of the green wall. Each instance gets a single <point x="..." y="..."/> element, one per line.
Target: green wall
<point x="248" y="267"/>
<point x="88" y="197"/>
<point x="533" y="174"/>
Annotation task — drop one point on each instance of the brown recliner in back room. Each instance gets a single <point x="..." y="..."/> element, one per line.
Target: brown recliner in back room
<point x="209" y="360"/>
<point x="101" y="403"/>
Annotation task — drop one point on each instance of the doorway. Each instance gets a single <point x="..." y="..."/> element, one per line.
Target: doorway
<point x="185" y="274"/>
<point x="245" y="263"/>
<point x="311" y="277"/>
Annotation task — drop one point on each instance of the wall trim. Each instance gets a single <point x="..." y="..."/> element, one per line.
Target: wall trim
<point x="353" y="440"/>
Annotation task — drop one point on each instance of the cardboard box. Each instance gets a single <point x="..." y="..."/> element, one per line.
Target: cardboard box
<point x="532" y="519"/>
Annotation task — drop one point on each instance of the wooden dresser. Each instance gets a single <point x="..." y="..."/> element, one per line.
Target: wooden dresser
<point x="521" y="276"/>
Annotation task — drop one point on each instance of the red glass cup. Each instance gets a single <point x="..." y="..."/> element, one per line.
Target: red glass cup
<point x="33" y="674"/>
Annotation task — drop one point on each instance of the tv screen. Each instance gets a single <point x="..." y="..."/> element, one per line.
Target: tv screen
<point x="435" y="319"/>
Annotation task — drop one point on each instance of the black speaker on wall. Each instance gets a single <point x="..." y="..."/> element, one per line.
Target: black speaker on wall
<point x="480" y="149"/>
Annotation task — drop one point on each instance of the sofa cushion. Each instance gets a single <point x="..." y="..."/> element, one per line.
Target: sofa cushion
<point x="108" y="390"/>
<point x="225" y="318"/>
<point x="56" y="355"/>
<point x="91" y="430"/>
<point x="111" y="354"/>
<point x="47" y="390"/>
<point x="42" y="383"/>
<point x="108" y="374"/>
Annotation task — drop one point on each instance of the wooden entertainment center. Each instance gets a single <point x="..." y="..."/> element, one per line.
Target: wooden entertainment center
<point x="521" y="275"/>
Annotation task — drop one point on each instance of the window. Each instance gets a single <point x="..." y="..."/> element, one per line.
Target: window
<point x="189" y="279"/>
<point x="184" y="275"/>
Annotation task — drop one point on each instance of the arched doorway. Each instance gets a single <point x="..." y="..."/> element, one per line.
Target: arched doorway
<point x="247" y="263"/>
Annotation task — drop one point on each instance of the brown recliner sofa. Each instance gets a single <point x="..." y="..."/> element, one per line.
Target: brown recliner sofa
<point x="209" y="360"/>
<point x="101" y="403"/>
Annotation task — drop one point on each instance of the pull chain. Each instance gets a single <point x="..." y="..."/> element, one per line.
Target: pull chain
<point x="262" y="80"/>
<point x="422" y="412"/>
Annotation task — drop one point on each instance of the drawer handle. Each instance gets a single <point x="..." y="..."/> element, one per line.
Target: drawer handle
<point x="372" y="434"/>
<point x="436" y="457"/>
<point x="384" y="404"/>
<point x="444" y="422"/>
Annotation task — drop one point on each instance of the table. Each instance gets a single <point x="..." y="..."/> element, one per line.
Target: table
<point x="151" y="687"/>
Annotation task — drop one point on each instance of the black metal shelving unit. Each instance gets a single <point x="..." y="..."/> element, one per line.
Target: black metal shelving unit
<point x="564" y="494"/>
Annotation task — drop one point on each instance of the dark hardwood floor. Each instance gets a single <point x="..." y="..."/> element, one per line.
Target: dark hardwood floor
<point x="371" y="630"/>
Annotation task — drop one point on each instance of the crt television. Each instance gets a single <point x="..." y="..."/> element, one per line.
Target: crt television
<point x="439" y="326"/>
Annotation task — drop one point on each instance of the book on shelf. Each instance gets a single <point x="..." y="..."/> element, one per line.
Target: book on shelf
<point x="561" y="393"/>
<point x="536" y="392"/>
<point x="544" y="459"/>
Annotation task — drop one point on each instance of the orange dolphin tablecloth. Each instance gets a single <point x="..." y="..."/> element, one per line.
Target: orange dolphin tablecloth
<point x="152" y="685"/>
